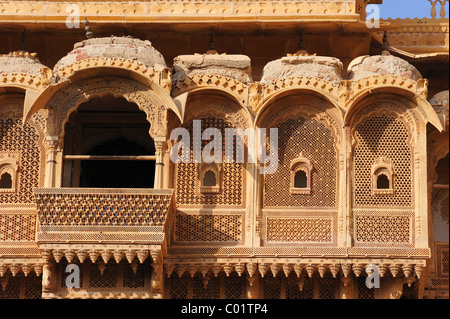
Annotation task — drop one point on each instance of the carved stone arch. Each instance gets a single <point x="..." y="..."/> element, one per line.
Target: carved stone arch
<point x="309" y="106"/>
<point x="276" y="90"/>
<point x="413" y="95"/>
<point x="310" y="95"/>
<point x="304" y="122"/>
<point x="393" y="106"/>
<point x="397" y="115"/>
<point x="222" y="113"/>
<point x="203" y="84"/>
<point x="23" y="154"/>
<point x="436" y="153"/>
<point x="66" y="100"/>
<point x="206" y="104"/>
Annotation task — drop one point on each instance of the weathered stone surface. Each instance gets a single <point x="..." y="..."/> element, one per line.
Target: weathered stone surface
<point x="234" y="66"/>
<point x="115" y="47"/>
<point x="440" y="99"/>
<point x="21" y="62"/>
<point x="365" y="66"/>
<point x="327" y="68"/>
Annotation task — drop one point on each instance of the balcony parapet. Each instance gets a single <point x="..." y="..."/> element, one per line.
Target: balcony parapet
<point x="103" y="216"/>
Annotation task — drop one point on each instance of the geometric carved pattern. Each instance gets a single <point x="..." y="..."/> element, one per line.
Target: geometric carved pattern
<point x="107" y="279"/>
<point x="178" y="287"/>
<point x="382" y="136"/>
<point x="23" y="140"/>
<point x="442" y="264"/>
<point x="316" y="142"/>
<point x="293" y="288"/>
<point x="17" y="227"/>
<point x="83" y="207"/>
<point x="362" y="291"/>
<point x="444" y="261"/>
<point x="271" y="286"/>
<point x="132" y="279"/>
<point x="328" y="286"/>
<point x="210" y="228"/>
<point x="187" y="175"/>
<point x="299" y="229"/>
<point x="209" y="291"/>
<point x="383" y="229"/>
<point x="21" y="287"/>
<point x="233" y="286"/>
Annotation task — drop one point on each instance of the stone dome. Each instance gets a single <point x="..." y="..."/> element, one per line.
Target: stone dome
<point x="440" y="99"/>
<point x="365" y="66"/>
<point x="235" y="66"/>
<point x="327" y="68"/>
<point x="115" y="47"/>
<point x="21" y="62"/>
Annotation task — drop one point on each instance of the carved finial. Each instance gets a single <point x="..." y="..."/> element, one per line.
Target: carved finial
<point x="87" y="27"/>
<point x="23" y="44"/>
<point x="385" y="46"/>
<point x="301" y="46"/>
<point x="301" y="41"/>
<point x="212" y="44"/>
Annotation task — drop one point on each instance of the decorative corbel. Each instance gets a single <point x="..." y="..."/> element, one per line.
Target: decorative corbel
<point x="48" y="277"/>
<point x="344" y="93"/>
<point x="157" y="274"/>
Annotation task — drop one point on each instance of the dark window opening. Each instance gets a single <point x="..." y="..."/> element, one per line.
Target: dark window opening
<point x="209" y="179"/>
<point x="383" y="182"/>
<point x="300" y="180"/>
<point x="118" y="132"/>
<point x="442" y="170"/>
<point x="118" y="174"/>
<point x="5" y="181"/>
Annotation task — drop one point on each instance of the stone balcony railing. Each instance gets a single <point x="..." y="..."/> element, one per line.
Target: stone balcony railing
<point x="420" y="36"/>
<point x="72" y="219"/>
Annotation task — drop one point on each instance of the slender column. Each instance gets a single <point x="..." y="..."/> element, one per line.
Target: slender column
<point x="160" y="145"/>
<point x="254" y="286"/>
<point x="48" y="274"/>
<point x="421" y="191"/>
<point x="348" y="226"/>
<point x="52" y="149"/>
<point x="157" y="279"/>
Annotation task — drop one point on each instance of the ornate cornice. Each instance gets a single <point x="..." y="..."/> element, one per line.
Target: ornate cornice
<point x="407" y="267"/>
<point x="138" y="70"/>
<point x="181" y="10"/>
<point x="25" y="81"/>
<point x="226" y="84"/>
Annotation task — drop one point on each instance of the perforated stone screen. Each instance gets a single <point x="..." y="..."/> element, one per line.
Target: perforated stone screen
<point x="315" y="141"/>
<point x="386" y="136"/>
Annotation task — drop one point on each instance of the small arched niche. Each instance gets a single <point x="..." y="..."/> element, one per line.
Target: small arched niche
<point x="210" y="178"/>
<point x="8" y="174"/>
<point x="382" y="177"/>
<point x="301" y="168"/>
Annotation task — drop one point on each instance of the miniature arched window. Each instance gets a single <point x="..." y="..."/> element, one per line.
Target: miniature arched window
<point x="383" y="182"/>
<point x="300" y="179"/>
<point x="382" y="177"/>
<point x="5" y="181"/>
<point x="210" y="178"/>
<point x="8" y="175"/>
<point x="301" y="168"/>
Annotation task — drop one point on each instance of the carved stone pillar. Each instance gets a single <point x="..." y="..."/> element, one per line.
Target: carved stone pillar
<point x="48" y="279"/>
<point x="50" y="168"/>
<point x="160" y="145"/>
<point x="254" y="287"/>
<point x="391" y="288"/>
<point x="346" y="291"/>
<point x="157" y="279"/>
